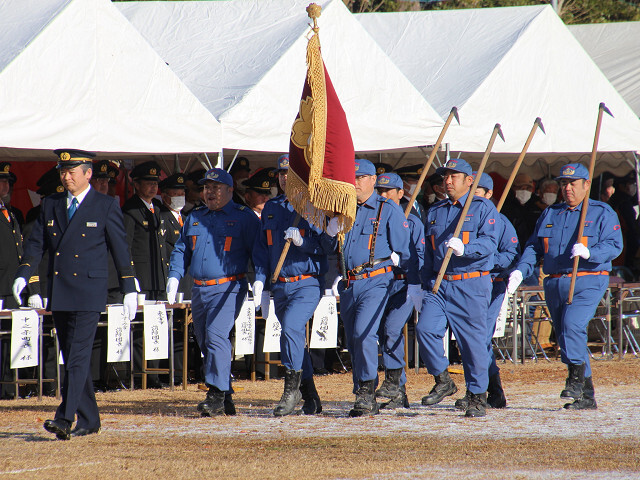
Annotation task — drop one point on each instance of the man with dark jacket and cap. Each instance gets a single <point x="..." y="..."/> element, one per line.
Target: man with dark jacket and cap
<point x="258" y="189"/>
<point x="103" y="172"/>
<point x="239" y="171"/>
<point x="410" y="175"/>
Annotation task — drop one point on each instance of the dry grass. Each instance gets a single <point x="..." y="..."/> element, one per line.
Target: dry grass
<point x="158" y="434"/>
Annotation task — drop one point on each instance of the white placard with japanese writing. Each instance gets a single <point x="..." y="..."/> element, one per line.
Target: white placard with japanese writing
<point x="324" y="329"/>
<point x="501" y="322"/>
<point x="246" y="329"/>
<point x="156" y="332"/>
<point x="272" y="329"/>
<point x="118" y="328"/>
<point x="24" y="338"/>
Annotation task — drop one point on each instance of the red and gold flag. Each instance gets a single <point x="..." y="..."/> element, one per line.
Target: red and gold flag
<point x="321" y="178"/>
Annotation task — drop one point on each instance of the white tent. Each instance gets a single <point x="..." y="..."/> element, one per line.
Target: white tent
<point x="76" y="74"/>
<point x="615" y="47"/>
<point x="245" y="60"/>
<point x="508" y="66"/>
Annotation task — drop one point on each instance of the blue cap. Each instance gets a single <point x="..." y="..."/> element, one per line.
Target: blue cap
<point x="485" y="181"/>
<point x="573" y="171"/>
<point x="389" y="180"/>
<point x="283" y="162"/>
<point x="364" y="167"/>
<point x="217" y="175"/>
<point x="457" y="165"/>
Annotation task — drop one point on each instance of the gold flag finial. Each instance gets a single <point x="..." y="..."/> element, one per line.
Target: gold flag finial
<point x="314" y="10"/>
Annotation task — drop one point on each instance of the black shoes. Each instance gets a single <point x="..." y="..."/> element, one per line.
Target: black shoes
<point x="390" y="388"/>
<point x="365" y="403"/>
<point x="463" y="403"/>
<point x="575" y="382"/>
<point x="81" y="432"/>
<point x="229" y="406"/>
<point x="399" y="401"/>
<point x="444" y="387"/>
<point x="213" y="404"/>
<point x="477" y="405"/>
<point x="291" y="395"/>
<point x="587" y="401"/>
<point x="310" y="396"/>
<point x="495" y="393"/>
<point x="60" y="427"/>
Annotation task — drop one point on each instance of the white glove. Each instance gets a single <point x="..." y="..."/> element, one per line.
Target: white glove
<point x="456" y="245"/>
<point x="515" y="279"/>
<point x="130" y="305"/>
<point x="35" y="301"/>
<point x="257" y="288"/>
<point x="294" y="234"/>
<point x="265" y="301"/>
<point x="333" y="227"/>
<point x="334" y="287"/>
<point x="395" y="259"/>
<point x="415" y="294"/>
<point x="579" y="250"/>
<point x="172" y="289"/>
<point x="135" y="280"/>
<point x="18" y="285"/>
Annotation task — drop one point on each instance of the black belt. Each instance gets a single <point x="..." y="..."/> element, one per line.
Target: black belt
<point x="359" y="268"/>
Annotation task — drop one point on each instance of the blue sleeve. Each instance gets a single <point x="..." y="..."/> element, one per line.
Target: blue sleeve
<point x="508" y="248"/>
<point x="609" y="244"/>
<point x="260" y="256"/>
<point x="486" y="241"/>
<point x="311" y="242"/>
<point x="416" y="246"/>
<point x="533" y="250"/>
<point x="181" y="254"/>
<point x="426" y="273"/>
<point x="399" y="239"/>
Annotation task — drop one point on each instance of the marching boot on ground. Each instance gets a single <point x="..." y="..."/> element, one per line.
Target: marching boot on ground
<point x="213" y="404"/>
<point x="390" y="388"/>
<point x="229" y="406"/>
<point x="310" y="396"/>
<point x="477" y="405"/>
<point x="575" y="382"/>
<point x="365" y="403"/>
<point x="495" y="393"/>
<point x="444" y="387"/>
<point x="399" y="401"/>
<point x="588" y="399"/>
<point x="463" y="403"/>
<point x="291" y="395"/>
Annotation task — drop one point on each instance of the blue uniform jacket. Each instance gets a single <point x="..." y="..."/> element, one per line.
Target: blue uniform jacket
<point x="508" y="252"/>
<point x="479" y="235"/>
<point x="556" y="232"/>
<point x="215" y="243"/>
<point x="78" y="251"/>
<point x="416" y="244"/>
<point x="393" y="236"/>
<point x="307" y="259"/>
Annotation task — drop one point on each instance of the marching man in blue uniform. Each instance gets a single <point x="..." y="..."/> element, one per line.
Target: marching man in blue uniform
<point x="379" y="230"/>
<point x="81" y="229"/>
<point x="555" y="242"/>
<point x="399" y="305"/>
<point x="463" y="299"/>
<point x="296" y="293"/>
<point x="505" y="259"/>
<point x="215" y="244"/>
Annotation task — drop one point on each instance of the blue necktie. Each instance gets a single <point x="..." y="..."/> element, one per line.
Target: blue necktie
<point x="73" y="207"/>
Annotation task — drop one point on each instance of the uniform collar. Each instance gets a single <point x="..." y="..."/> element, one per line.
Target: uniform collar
<point x="80" y="197"/>
<point x="567" y="208"/>
<point x="462" y="200"/>
<point x="371" y="201"/>
<point x="228" y="208"/>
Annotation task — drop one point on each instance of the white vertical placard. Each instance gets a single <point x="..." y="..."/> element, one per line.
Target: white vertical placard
<point x="156" y="332"/>
<point x="246" y="329"/>
<point x="501" y="323"/>
<point x="118" y="334"/>
<point x="272" y="330"/>
<point x="24" y="338"/>
<point x="324" y="329"/>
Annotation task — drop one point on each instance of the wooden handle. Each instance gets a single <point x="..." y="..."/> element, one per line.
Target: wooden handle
<point x="283" y="255"/>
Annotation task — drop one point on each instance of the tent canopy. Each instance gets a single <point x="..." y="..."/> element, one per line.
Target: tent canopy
<point x="246" y="61"/>
<point x="508" y="65"/>
<point x="76" y="74"/>
<point x="615" y="47"/>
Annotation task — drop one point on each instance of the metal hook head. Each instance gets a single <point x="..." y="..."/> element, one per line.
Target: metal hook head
<point x="539" y="122"/>
<point x="499" y="128"/>
<point x="454" y="110"/>
<point x="604" y="108"/>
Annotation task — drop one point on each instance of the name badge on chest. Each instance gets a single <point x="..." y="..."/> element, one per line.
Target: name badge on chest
<point x="92" y="224"/>
<point x="50" y="223"/>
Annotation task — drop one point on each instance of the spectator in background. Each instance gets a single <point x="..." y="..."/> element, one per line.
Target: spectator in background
<point x="410" y="175"/>
<point x="548" y="191"/>
<point x="624" y="202"/>
<point x="258" y="190"/>
<point x="239" y="171"/>
<point x="434" y="191"/>
<point x="521" y="207"/>
<point x="7" y="200"/>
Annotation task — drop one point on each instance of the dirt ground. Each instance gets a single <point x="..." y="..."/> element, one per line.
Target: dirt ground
<point x="159" y="434"/>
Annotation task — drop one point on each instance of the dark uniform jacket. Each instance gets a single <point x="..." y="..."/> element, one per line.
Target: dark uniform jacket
<point x="78" y="251"/>
<point x="171" y="237"/>
<point x="146" y="233"/>
<point x="10" y="253"/>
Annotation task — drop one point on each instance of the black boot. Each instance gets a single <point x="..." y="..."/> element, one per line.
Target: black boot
<point x="213" y="404"/>
<point x="229" y="406"/>
<point x="390" y="388"/>
<point x="444" y="387"/>
<point x="291" y="395"/>
<point x="463" y="403"/>
<point x="588" y="399"/>
<point x="495" y="393"/>
<point x="311" y="404"/>
<point x="477" y="405"/>
<point x="575" y="382"/>
<point x="365" y="403"/>
<point x="399" y="401"/>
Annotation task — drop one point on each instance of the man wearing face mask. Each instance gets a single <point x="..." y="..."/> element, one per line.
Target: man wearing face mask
<point x="521" y="207"/>
<point x="410" y="175"/>
<point x="549" y="190"/>
<point x="239" y="171"/>
<point x="434" y="191"/>
<point x="623" y="202"/>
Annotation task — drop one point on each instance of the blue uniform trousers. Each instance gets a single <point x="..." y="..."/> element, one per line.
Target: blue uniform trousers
<point x="361" y="309"/>
<point x="463" y="305"/>
<point x="76" y="331"/>
<point x="497" y="297"/>
<point x="570" y="322"/>
<point x="295" y="303"/>
<point x="215" y="308"/>
<point x="391" y="335"/>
